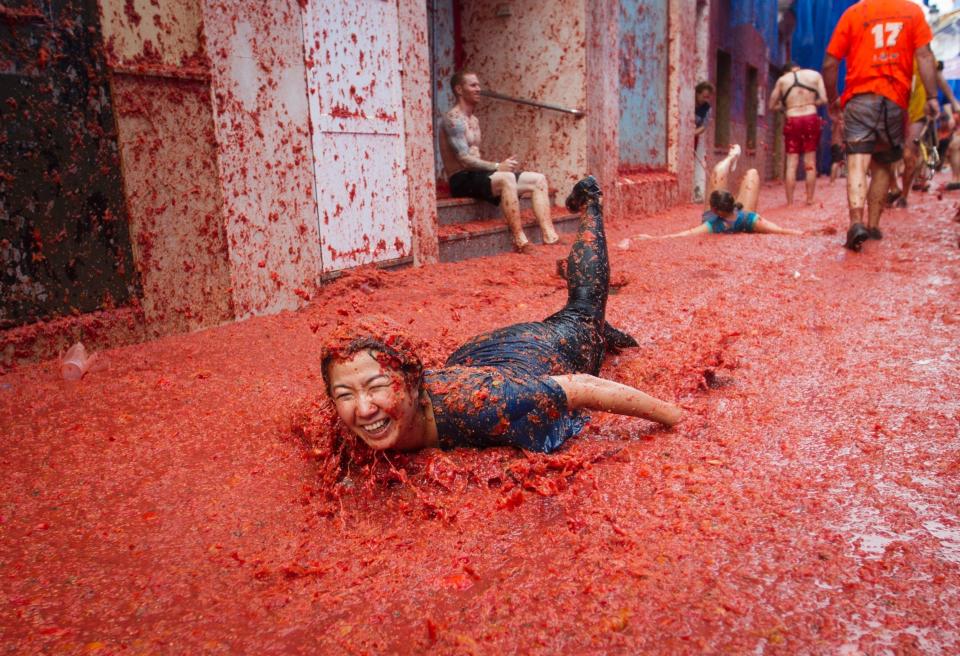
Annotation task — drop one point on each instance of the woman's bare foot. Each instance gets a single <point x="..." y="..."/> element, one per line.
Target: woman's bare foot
<point x="733" y="155"/>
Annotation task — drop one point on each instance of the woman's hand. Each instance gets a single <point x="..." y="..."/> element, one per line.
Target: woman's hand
<point x="624" y="244"/>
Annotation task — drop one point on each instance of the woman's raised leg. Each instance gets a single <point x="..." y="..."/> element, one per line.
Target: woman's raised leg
<point x="588" y="268"/>
<point x="720" y="177"/>
<point x="749" y="193"/>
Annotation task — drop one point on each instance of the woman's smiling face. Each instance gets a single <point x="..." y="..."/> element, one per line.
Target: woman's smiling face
<point x="374" y="402"/>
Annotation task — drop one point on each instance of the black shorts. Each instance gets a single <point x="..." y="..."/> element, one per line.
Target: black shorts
<point x="871" y="120"/>
<point x="474" y="184"/>
<point x="836" y="153"/>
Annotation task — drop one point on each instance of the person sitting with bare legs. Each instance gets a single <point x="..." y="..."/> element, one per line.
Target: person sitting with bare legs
<point x="724" y="212"/>
<point x="876" y="98"/>
<point x="499" y="183"/>
<point x="799" y="92"/>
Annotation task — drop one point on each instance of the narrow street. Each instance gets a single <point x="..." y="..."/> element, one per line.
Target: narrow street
<point x="809" y="502"/>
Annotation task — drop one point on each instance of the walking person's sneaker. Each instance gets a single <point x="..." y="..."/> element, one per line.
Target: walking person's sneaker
<point x="874" y="233"/>
<point x="856" y="235"/>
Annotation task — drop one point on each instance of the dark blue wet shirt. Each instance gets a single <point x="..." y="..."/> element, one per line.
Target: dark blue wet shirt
<point x="702" y="111"/>
<point x="492" y="406"/>
<point x="497" y="389"/>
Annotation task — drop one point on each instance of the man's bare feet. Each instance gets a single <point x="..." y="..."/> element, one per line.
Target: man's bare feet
<point x="526" y="248"/>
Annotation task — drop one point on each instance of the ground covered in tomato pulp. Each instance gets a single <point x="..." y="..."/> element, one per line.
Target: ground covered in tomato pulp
<point x="808" y="503"/>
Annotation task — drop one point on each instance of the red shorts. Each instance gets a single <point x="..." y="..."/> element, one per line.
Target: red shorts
<point x="801" y="134"/>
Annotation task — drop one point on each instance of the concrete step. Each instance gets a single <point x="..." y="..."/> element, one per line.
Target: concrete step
<point x="452" y="211"/>
<point x="479" y="238"/>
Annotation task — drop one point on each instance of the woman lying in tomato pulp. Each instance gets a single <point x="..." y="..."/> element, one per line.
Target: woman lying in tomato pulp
<point x="524" y="385"/>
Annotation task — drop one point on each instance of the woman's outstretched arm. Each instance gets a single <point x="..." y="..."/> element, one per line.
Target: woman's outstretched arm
<point x="766" y="226"/>
<point x="701" y="229"/>
<point x="586" y="392"/>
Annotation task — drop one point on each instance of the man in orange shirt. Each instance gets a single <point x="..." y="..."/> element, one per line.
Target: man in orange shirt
<point x="879" y="39"/>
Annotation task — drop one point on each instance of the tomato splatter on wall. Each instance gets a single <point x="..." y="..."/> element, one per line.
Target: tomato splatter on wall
<point x="265" y="157"/>
<point x="356" y="99"/>
<point x="64" y="240"/>
<point x="169" y="155"/>
<point x="418" y="134"/>
<point x="535" y="52"/>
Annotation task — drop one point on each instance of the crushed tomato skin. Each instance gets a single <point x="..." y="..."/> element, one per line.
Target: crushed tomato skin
<point x="806" y="504"/>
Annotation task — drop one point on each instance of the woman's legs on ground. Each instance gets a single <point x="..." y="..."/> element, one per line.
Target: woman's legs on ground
<point x="749" y="193"/>
<point x="810" y="174"/>
<point x="588" y="266"/>
<point x="571" y="340"/>
<point x="719" y="178"/>
<point x="579" y="326"/>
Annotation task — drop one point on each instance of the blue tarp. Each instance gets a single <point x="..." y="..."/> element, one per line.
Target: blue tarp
<point x="815" y="22"/>
<point x="762" y="15"/>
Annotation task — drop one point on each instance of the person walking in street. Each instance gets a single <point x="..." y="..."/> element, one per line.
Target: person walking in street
<point x="799" y="92"/>
<point x="879" y="39"/>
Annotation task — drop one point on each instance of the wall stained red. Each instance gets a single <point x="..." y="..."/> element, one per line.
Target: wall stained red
<point x="536" y="52"/>
<point x="169" y="151"/>
<point x="264" y="152"/>
<point x="418" y="131"/>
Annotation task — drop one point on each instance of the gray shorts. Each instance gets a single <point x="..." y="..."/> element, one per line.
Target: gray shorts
<point x="874" y="124"/>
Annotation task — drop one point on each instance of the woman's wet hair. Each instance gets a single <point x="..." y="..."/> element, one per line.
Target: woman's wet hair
<point x="384" y="339"/>
<point x="722" y="200"/>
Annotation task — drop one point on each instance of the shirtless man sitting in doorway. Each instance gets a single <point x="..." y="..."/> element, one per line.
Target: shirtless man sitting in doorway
<point x="799" y="92"/>
<point x="495" y="182"/>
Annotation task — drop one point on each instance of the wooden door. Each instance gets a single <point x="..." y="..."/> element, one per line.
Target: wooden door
<point x="356" y="112"/>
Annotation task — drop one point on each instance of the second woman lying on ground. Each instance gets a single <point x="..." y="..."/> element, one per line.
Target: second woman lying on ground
<point x="726" y="214"/>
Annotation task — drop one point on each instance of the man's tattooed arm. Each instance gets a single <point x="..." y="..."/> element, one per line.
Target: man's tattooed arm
<point x="456" y="131"/>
